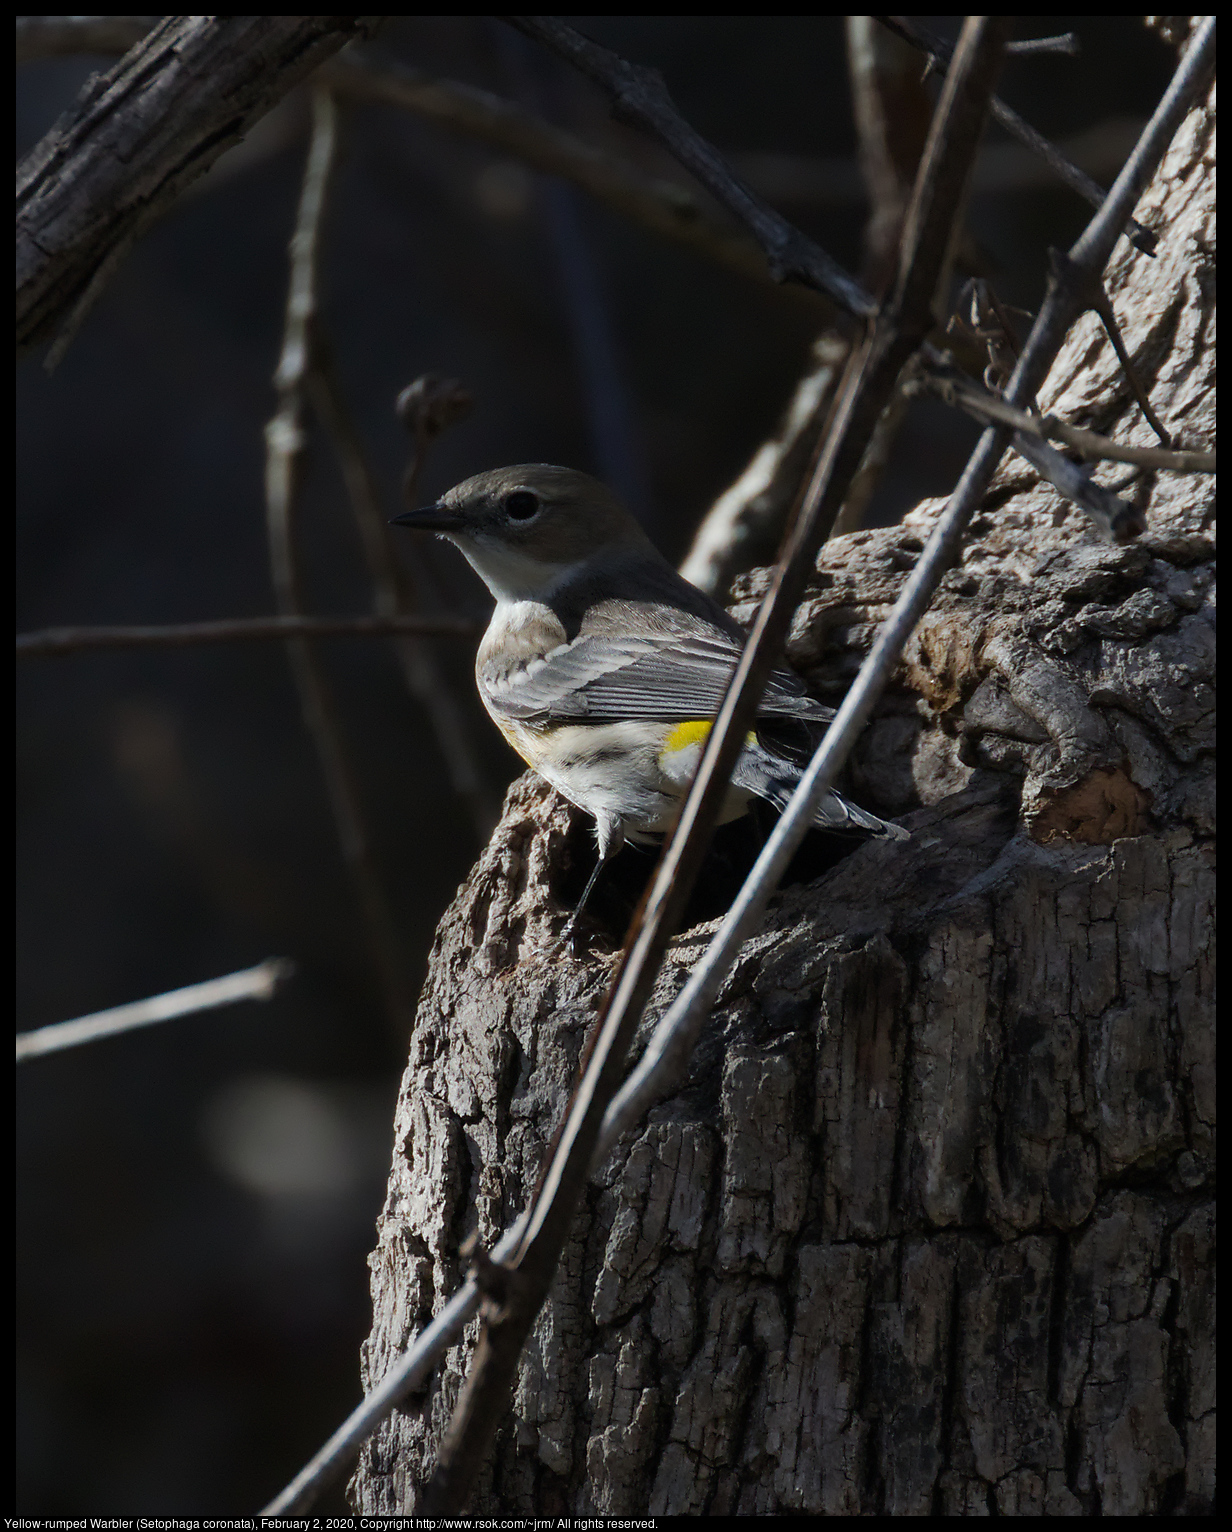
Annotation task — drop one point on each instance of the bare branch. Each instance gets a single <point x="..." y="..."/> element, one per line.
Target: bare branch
<point x="640" y="97"/>
<point x="670" y="1045"/>
<point x="257" y="983"/>
<point x="668" y="210"/>
<point x="137" y="137"/>
<point x="1114" y="519"/>
<point x="745" y="524"/>
<point x="1089" y="256"/>
<point x="419" y="669"/>
<point x="1064" y="42"/>
<point x="939" y="52"/>
<point x="411" y="1371"/>
<point x="285" y="441"/>
<point x="663" y="1061"/>
<point x="868" y="384"/>
<point x="1092" y="445"/>
<point x="40" y="37"/>
<point x="1096" y="298"/>
<point x="662" y="207"/>
<point x="865" y="479"/>
<point x="892" y="112"/>
<point x="958" y="389"/>
<point x="61" y="641"/>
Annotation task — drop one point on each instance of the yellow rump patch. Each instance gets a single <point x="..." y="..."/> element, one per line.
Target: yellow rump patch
<point x="686" y="734"/>
<point x="691" y="733"/>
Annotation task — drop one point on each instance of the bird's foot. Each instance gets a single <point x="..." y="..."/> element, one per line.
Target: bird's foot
<point x="570" y="940"/>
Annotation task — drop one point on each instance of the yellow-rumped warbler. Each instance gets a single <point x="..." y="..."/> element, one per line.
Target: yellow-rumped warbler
<point x="604" y="668"/>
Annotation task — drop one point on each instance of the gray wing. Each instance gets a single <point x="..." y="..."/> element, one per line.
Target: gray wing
<point x="671" y="677"/>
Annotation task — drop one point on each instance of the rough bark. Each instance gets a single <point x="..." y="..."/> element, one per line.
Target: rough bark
<point x="930" y="1227"/>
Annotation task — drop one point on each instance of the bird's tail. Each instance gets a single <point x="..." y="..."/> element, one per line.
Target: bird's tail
<point x="774" y="779"/>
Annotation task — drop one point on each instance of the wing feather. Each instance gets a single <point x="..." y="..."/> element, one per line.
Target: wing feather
<point x="674" y="677"/>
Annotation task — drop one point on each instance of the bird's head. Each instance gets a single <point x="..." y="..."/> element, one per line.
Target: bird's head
<point x="527" y="528"/>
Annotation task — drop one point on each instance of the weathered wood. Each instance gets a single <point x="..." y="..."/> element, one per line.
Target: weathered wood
<point x="930" y="1226"/>
<point x="142" y="132"/>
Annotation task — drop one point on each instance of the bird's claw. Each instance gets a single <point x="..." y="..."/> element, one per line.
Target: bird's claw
<point x="569" y="939"/>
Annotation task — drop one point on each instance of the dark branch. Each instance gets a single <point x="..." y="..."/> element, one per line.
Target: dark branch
<point x="1063" y="42"/>
<point x="958" y="389"/>
<point x="137" y="137"/>
<point x="640" y="97"/>
<point x="60" y="641"/>
<point x="41" y="37"/>
<point x="868" y="385"/>
<point x="393" y="598"/>
<point x="664" y="208"/>
<point x="1114" y="518"/>
<point x="647" y="1085"/>
<point x="1069" y="285"/>
<point x="940" y="52"/>
<point x="1095" y="295"/>
<point x="285" y="441"/>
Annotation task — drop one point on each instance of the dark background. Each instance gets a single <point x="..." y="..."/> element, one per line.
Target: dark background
<point x="195" y="1201"/>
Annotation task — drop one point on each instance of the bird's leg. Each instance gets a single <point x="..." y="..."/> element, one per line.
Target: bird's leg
<point x="610" y="834"/>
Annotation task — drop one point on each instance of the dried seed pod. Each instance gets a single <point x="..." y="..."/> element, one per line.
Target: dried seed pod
<point x="430" y="404"/>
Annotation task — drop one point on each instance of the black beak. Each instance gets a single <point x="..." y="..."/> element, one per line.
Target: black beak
<point x="430" y="518"/>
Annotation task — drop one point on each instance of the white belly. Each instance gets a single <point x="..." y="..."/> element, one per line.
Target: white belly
<point x="617" y="771"/>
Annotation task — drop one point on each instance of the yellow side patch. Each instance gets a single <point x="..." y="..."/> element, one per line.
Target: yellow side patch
<point x="691" y="733"/>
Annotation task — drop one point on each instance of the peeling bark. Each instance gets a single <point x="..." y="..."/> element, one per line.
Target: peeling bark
<point x="930" y="1226"/>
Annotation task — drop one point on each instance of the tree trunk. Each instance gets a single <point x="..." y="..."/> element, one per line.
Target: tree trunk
<point x="930" y="1227"/>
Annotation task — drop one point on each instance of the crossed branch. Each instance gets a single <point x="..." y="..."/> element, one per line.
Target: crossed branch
<point x="511" y="1281"/>
<point x="601" y="1109"/>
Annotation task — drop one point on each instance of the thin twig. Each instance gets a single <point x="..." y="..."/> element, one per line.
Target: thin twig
<point x="1094" y="248"/>
<point x="745" y="524"/>
<point x="940" y="51"/>
<point x="391" y="599"/>
<point x="1113" y="518"/>
<point x="958" y="389"/>
<point x="1063" y="42"/>
<point x="662" y="1064"/>
<point x="285" y="442"/>
<point x="892" y="112"/>
<point x="670" y="1051"/>
<point x="987" y="327"/>
<point x="257" y="983"/>
<point x="1096" y="297"/>
<point x="866" y="477"/>
<point x="410" y="1371"/>
<point x="140" y="134"/>
<point x="640" y="97"/>
<point x="1092" y="445"/>
<point x="615" y="443"/>
<point x="61" y="641"/>
<point x="40" y="37"/>
<point x="662" y="207"/>
<point x="867" y="387"/>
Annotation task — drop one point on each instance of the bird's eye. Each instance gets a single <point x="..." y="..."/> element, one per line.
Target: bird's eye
<point x="521" y="505"/>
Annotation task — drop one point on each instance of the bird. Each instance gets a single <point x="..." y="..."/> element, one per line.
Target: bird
<point x="604" y="668"/>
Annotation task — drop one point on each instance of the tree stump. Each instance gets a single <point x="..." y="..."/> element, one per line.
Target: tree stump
<point x="930" y="1226"/>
